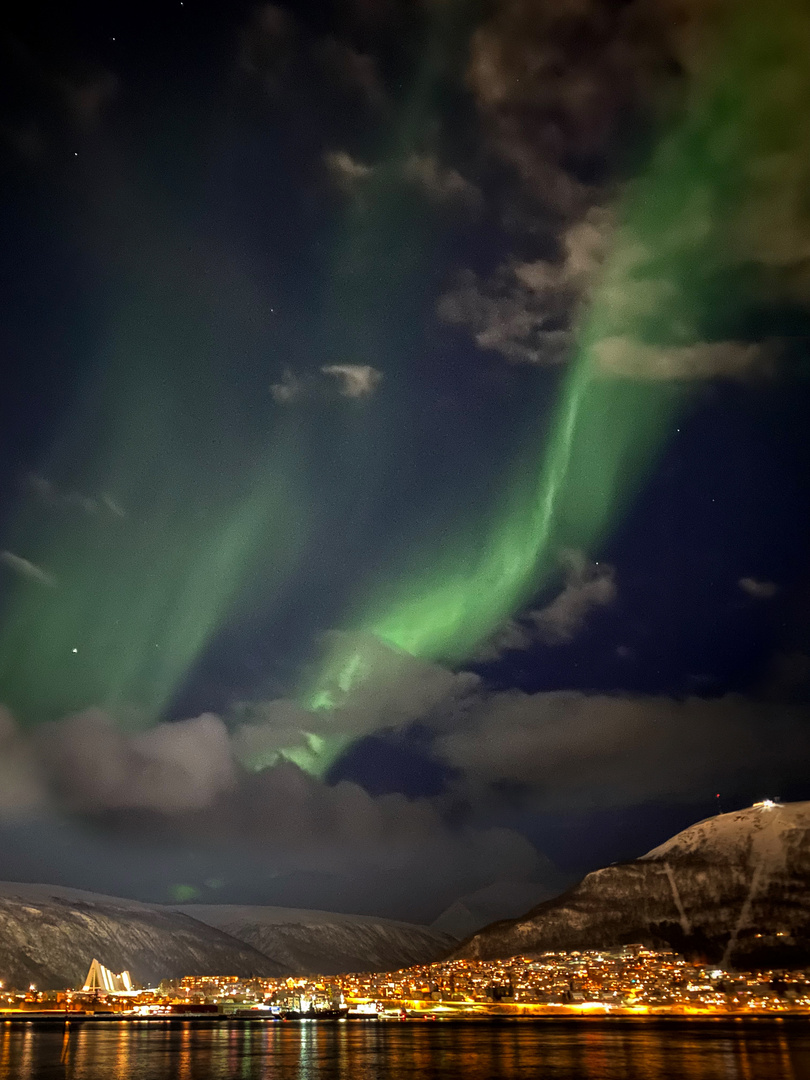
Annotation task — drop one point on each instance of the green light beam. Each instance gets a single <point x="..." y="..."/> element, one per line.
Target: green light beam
<point x="674" y="286"/>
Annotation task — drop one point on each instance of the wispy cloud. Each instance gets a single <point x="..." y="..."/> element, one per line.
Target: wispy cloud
<point x="760" y="590"/>
<point x="355" y="380"/>
<point x="347" y="172"/>
<point x="570" y="748"/>
<point x="288" y="389"/>
<point x="441" y="183"/>
<point x="27" y="569"/>
<point x="525" y="310"/>
<point x="624" y="357"/>
<point x="588" y="585"/>
<point x="51" y="495"/>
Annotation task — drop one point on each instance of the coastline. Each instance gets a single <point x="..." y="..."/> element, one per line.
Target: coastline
<point x="55" y="1018"/>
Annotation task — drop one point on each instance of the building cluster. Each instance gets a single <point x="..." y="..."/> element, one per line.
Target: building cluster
<point x="623" y="981"/>
<point x="632" y="979"/>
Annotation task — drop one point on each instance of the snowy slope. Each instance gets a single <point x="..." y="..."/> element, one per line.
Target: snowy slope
<point x="322" y="942"/>
<point x="769" y="832"/>
<point x="734" y="889"/>
<point x="501" y="900"/>
<point x="49" y="935"/>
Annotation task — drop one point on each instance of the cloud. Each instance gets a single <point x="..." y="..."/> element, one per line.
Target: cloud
<point x="525" y="310"/>
<point x="229" y="795"/>
<point x="588" y="585"/>
<point x="561" y="749"/>
<point x="760" y="590"/>
<point x="27" y="569"/>
<point x="93" y="766"/>
<point x="570" y="749"/>
<point x="623" y="357"/>
<point x="327" y="81"/>
<point x="49" y="494"/>
<point x="584" y="246"/>
<point x="266" y="730"/>
<point x="92" y="762"/>
<point x="268" y="45"/>
<point x="317" y="827"/>
<point x="390" y="688"/>
<point x="442" y="184"/>
<point x="22" y="789"/>
<point x="560" y="89"/>
<point x="528" y="312"/>
<point x="346" y="171"/>
<point x="276" y="49"/>
<point x="180" y="788"/>
<point x="114" y="507"/>
<point x="773" y="233"/>
<point x="288" y="389"/>
<point x="364" y="687"/>
<point x="354" y="380"/>
<point x="555" y="750"/>
<point x="555" y="82"/>
<point x="55" y="99"/>
<point x="355" y="71"/>
<point x="505" y="318"/>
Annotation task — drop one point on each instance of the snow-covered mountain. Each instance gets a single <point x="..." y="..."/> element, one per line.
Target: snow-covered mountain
<point x="501" y="900"/>
<point x="49" y="935"/>
<point x="733" y="889"/>
<point x="323" y="942"/>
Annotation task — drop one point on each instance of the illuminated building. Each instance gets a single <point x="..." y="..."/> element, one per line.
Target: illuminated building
<point x="100" y="978"/>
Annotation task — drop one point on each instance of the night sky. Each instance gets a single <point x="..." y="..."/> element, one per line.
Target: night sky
<point x="404" y="460"/>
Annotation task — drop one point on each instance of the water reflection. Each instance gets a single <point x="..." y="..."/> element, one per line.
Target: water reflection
<point x="618" y="1050"/>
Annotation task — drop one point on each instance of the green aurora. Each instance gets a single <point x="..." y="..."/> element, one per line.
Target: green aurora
<point x="163" y="507"/>
<point x="137" y="601"/>
<point x="674" y="285"/>
<point x="150" y="555"/>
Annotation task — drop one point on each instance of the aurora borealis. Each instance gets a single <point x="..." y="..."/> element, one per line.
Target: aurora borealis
<point x="657" y="298"/>
<point x="383" y="381"/>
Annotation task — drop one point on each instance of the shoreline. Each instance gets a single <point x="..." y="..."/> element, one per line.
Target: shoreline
<point x="60" y="1019"/>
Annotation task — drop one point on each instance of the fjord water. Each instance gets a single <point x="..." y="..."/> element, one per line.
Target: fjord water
<point x="621" y="1049"/>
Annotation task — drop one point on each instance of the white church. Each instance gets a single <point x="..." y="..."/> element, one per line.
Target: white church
<point x="102" y="979"/>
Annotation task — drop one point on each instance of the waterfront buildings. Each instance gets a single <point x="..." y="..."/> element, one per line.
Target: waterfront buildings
<point x="629" y="981"/>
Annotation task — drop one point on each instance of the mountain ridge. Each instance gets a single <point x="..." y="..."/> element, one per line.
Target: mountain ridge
<point x="49" y="934"/>
<point x="312" y="942"/>
<point x="732" y="889"/>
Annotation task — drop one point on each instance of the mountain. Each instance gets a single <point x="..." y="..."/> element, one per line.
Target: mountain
<point x="733" y="890"/>
<point x="326" y="943"/>
<point x="49" y="935"/>
<point x="501" y="900"/>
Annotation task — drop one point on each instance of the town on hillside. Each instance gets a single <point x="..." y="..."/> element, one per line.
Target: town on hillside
<point x="632" y="980"/>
